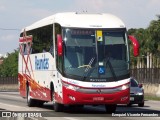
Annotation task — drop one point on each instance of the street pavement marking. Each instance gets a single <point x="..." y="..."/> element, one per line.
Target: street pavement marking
<point x="70" y="118"/>
<point x="19" y="108"/>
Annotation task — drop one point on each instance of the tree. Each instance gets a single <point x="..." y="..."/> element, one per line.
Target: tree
<point x="10" y="65"/>
<point x="141" y="35"/>
<point x="149" y="40"/>
<point x="154" y="32"/>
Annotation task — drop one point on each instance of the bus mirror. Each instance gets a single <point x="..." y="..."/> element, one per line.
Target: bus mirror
<point x="59" y="45"/>
<point x="135" y="45"/>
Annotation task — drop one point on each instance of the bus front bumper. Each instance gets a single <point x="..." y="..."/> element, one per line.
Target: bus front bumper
<point x="99" y="98"/>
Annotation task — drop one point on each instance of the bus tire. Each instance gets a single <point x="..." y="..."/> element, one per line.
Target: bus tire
<point x="129" y="105"/>
<point x="39" y="103"/>
<point x="30" y="101"/>
<point x="58" y="107"/>
<point x="110" y="108"/>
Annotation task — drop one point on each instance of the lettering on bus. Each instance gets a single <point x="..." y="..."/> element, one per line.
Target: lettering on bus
<point x="98" y="85"/>
<point x="41" y="63"/>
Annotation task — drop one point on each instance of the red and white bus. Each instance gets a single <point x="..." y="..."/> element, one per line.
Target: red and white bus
<point x="75" y="59"/>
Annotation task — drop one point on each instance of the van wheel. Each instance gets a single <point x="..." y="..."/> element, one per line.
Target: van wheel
<point x="129" y="105"/>
<point x="58" y="107"/>
<point x="141" y="104"/>
<point x="30" y="101"/>
<point x="110" y="108"/>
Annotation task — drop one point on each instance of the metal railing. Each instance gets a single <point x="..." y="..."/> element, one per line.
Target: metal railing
<point x="8" y="80"/>
<point x="146" y="69"/>
<point x="146" y="75"/>
<point x="143" y="75"/>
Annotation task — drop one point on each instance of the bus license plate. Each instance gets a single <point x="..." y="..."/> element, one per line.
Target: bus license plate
<point x="98" y="98"/>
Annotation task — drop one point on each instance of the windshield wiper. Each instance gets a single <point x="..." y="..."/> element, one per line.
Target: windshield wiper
<point x="111" y="68"/>
<point x="87" y="71"/>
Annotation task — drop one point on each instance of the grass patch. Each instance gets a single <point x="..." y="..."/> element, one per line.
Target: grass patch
<point x="150" y="97"/>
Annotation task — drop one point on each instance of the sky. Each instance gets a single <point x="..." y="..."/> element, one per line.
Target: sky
<point x="16" y="14"/>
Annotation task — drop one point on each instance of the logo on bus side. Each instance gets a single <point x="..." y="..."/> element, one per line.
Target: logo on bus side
<point x="41" y="63"/>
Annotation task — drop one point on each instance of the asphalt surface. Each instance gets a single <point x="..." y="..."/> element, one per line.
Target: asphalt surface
<point x="16" y="106"/>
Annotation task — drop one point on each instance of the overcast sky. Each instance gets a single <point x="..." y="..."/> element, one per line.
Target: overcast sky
<point x="16" y="14"/>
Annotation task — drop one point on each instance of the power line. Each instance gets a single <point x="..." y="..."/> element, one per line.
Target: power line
<point x="16" y="29"/>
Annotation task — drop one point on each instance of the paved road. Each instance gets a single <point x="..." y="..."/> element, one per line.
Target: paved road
<point x="11" y="101"/>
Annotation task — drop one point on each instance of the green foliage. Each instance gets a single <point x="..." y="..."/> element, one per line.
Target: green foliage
<point x="151" y="97"/>
<point x="148" y="38"/>
<point x="154" y="31"/>
<point x="10" y="65"/>
<point x="142" y="36"/>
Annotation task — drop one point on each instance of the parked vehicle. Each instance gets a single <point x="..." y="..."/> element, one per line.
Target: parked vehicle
<point x="136" y="93"/>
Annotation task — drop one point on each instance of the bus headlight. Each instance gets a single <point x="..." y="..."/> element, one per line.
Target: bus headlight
<point x="124" y="87"/>
<point x="71" y="87"/>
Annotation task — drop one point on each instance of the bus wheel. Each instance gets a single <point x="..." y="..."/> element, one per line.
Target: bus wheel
<point x="110" y="108"/>
<point x="58" y="107"/>
<point x="39" y="103"/>
<point x="129" y="105"/>
<point x="30" y="101"/>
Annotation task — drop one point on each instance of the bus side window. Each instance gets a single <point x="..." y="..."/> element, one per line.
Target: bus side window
<point x="42" y="39"/>
<point x="59" y="59"/>
<point x="27" y="48"/>
<point x="21" y="47"/>
<point x="51" y="50"/>
<point x="30" y="47"/>
<point x="24" y="49"/>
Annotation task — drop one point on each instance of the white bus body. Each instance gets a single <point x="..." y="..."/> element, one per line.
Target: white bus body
<point x="90" y="76"/>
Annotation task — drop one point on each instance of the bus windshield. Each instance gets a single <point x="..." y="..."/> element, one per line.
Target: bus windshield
<point x="95" y="55"/>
